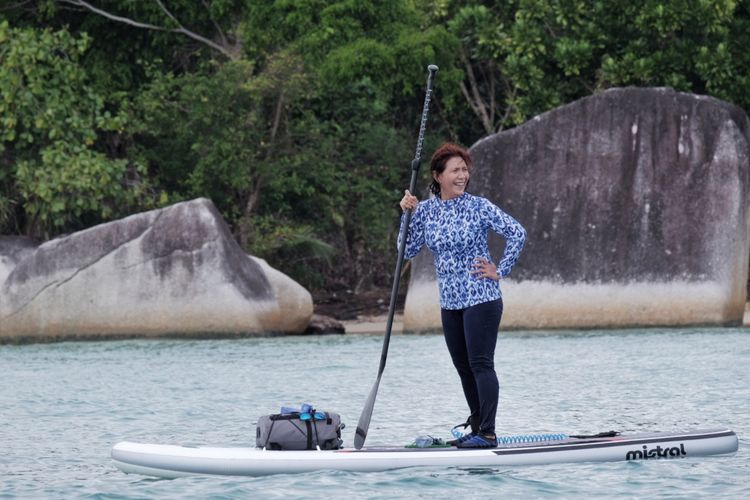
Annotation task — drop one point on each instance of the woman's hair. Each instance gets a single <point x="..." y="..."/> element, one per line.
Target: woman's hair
<point x="441" y="156"/>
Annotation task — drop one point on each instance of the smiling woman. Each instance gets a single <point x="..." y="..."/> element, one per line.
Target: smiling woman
<point x="454" y="225"/>
<point x="450" y="171"/>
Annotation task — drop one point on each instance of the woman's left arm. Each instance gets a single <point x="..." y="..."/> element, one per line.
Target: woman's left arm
<point x="511" y="230"/>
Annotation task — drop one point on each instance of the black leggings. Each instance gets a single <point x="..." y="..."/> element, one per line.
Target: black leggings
<point x="471" y="336"/>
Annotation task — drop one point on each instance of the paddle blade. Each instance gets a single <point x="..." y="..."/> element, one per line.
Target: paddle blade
<point x="364" y="419"/>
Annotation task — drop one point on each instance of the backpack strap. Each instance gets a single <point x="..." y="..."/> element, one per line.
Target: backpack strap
<point x="270" y="431"/>
<point x="309" y="434"/>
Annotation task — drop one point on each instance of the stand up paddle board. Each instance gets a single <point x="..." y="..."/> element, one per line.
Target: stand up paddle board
<point x="170" y="461"/>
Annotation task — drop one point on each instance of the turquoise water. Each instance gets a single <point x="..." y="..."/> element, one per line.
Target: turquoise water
<point x="64" y="405"/>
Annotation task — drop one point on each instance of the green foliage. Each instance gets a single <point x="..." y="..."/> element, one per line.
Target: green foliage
<point x="299" y="247"/>
<point x="304" y="137"/>
<point x="50" y="125"/>
<point x="255" y="154"/>
<point x="70" y="181"/>
<point x="198" y="135"/>
<point x="525" y="57"/>
<point x="668" y="44"/>
<point x="386" y="43"/>
<point x="298" y="118"/>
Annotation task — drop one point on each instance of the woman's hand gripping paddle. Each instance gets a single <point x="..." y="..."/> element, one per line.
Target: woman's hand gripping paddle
<point x="364" y="419"/>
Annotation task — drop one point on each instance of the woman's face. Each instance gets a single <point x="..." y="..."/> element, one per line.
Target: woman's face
<point x="453" y="179"/>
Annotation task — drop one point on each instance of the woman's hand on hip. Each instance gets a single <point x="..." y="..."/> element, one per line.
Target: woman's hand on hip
<point x="408" y="202"/>
<point x="484" y="268"/>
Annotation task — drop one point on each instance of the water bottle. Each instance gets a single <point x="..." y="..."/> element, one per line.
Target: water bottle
<point x="423" y="441"/>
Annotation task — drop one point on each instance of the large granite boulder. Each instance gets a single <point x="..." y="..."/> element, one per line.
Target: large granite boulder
<point x="636" y="205"/>
<point x="13" y="249"/>
<point x="175" y="270"/>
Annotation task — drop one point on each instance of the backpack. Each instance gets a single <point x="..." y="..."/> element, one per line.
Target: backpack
<point x="306" y="429"/>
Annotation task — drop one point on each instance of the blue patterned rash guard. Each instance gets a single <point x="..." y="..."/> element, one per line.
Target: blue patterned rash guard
<point x="456" y="231"/>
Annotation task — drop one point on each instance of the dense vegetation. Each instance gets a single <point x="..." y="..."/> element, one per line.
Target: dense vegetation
<point x="298" y="118"/>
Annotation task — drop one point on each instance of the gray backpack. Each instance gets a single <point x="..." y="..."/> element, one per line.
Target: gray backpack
<point x="299" y="431"/>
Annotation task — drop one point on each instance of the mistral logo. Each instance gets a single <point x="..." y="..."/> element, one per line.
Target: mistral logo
<point x="657" y="452"/>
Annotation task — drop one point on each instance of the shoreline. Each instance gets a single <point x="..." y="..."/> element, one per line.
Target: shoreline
<point x="374" y="324"/>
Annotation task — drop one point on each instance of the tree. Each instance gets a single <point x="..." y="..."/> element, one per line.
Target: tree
<point x="298" y="118"/>
<point x="224" y="43"/>
<point x="367" y="61"/>
<point x="53" y="170"/>
<point x="525" y="57"/>
<point x="243" y="119"/>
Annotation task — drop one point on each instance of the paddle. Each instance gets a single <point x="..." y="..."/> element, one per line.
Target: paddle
<point x="364" y="419"/>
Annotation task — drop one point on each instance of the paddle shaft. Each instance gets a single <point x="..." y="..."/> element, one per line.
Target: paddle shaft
<point x="364" y="419"/>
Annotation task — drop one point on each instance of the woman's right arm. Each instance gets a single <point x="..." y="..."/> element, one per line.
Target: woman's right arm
<point x="415" y="235"/>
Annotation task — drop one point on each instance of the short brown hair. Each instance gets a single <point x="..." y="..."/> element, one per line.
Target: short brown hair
<point x="441" y="156"/>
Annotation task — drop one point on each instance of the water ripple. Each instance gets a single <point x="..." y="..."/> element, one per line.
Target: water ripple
<point x="64" y="405"/>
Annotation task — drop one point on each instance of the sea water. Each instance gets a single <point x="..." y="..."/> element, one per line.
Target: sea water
<point x="63" y="406"/>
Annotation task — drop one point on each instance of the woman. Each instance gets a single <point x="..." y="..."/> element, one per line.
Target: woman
<point x="454" y="226"/>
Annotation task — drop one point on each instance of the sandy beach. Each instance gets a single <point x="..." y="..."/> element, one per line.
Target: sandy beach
<point x="375" y="324"/>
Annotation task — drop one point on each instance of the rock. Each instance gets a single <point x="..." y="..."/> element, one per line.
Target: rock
<point x="174" y="271"/>
<point x="13" y="249"/>
<point x="321" y="325"/>
<point x="636" y="205"/>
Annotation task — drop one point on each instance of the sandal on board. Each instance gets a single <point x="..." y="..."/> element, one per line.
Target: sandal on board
<point x="479" y="441"/>
<point x="462" y="439"/>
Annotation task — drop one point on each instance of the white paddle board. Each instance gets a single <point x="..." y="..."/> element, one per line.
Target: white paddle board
<point x="169" y="461"/>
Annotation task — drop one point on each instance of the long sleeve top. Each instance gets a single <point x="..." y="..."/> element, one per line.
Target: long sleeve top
<point x="456" y="232"/>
